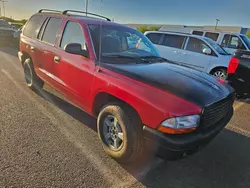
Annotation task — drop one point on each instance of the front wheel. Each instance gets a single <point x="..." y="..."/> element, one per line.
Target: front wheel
<point x="32" y="80"/>
<point x="220" y="73"/>
<point x="120" y="131"/>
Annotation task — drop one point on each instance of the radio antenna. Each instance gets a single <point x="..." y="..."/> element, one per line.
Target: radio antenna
<point x="100" y="43"/>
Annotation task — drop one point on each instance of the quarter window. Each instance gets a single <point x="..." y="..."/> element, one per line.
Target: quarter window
<point x="154" y="37"/>
<point x="199" y="33"/>
<point x="51" y="31"/>
<point x="213" y="36"/>
<point x="73" y="34"/>
<point x="196" y="45"/>
<point x="33" y="26"/>
<point x="174" y="41"/>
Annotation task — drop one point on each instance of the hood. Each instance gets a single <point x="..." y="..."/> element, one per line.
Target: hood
<point x="194" y="86"/>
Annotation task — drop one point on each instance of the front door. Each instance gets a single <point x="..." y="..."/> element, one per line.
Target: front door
<point x="193" y="55"/>
<point x="76" y="72"/>
<point x="231" y="43"/>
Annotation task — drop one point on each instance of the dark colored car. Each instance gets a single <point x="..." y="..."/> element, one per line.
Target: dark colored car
<point x="239" y="73"/>
<point x="6" y="33"/>
<point x="138" y="97"/>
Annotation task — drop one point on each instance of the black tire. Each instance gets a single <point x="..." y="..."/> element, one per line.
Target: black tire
<point x="130" y="123"/>
<point x="220" y="73"/>
<point x="32" y="80"/>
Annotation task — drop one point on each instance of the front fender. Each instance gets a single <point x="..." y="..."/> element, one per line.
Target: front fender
<point x="152" y="104"/>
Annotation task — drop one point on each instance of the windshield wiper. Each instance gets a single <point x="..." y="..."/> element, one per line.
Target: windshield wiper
<point x="119" y="56"/>
<point x="152" y="59"/>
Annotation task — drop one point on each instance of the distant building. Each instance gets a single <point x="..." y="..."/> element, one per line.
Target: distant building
<point x="232" y="29"/>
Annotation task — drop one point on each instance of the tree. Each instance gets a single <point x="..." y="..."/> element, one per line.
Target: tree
<point x="248" y="34"/>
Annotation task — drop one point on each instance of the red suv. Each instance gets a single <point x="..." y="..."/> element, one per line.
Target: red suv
<point x="114" y="73"/>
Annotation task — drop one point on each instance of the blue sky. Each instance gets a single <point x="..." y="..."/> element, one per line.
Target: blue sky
<point x="188" y="12"/>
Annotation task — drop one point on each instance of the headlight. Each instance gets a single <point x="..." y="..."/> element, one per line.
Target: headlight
<point x="179" y="125"/>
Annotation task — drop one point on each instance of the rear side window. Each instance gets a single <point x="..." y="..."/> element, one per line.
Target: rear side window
<point x="200" y="33"/>
<point x="174" y="41"/>
<point x="154" y="37"/>
<point x="33" y="26"/>
<point x="196" y="45"/>
<point x="73" y="34"/>
<point x="213" y="36"/>
<point x="51" y="30"/>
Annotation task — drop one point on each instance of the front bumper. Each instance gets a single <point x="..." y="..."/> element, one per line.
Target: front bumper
<point x="174" y="147"/>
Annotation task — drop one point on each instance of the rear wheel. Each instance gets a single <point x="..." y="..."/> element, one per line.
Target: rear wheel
<point x="220" y="73"/>
<point x="120" y="131"/>
<point x="32" y="80"/>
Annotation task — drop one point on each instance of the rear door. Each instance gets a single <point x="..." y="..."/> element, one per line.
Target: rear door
<point x="193" y="55"/>
<point x="171" y="46"/>
<point x="76" y="72"/>
<point x="48" y="40"/>
<point x="29" y="41"/>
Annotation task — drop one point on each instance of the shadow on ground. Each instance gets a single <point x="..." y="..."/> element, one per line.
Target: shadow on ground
<point x="225" y="162"/>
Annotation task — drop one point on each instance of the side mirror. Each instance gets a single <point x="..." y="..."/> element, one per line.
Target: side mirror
<point x="207" y="51"/>
<point x="75" y="48"/>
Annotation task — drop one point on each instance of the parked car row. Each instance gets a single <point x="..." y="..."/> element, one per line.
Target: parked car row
<point x="229" y="41"/>
<point x="193" y="51"/>
<point x="116" y="74"/>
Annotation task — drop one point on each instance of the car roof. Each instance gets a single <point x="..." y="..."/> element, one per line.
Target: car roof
<point x="176" y="33"/>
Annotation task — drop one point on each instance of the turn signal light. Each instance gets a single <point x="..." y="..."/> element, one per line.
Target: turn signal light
<point x="175" y="131"/>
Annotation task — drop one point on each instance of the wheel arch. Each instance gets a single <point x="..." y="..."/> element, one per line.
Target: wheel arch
<point x="104" y="98"/>
<point x="216" y="68"/>
<point x="25" y="56"/>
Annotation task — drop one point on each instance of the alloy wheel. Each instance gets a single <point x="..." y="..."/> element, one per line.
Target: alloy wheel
<point x="113" y="133"/>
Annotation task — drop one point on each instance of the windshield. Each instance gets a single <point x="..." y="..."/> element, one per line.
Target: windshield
<point x="246" y="40"/>
<point x="120" y="41"/>
<point x="215" y="46"/>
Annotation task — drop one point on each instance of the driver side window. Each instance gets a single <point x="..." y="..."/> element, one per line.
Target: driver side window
<point x="73" y="34"/>
<point x="135" y="42"/>
<point x="232" y="41"/>
<point x="196" y="45"/>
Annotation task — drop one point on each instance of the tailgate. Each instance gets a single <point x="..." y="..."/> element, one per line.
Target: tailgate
<point x="243" y="70"/>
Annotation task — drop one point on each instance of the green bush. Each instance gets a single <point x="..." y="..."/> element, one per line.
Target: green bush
<point x="144" y="28"/>
<point x="248" y="34"/>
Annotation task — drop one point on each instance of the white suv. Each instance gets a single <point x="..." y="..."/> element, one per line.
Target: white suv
<point x="196" y="52"/>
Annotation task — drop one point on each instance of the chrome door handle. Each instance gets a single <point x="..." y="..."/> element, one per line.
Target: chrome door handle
<point x="56" y="59"/>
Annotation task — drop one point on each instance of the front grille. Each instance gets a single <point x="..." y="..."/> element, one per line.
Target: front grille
<point x="215" y="112"/>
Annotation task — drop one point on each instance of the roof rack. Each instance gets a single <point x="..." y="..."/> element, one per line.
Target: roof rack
<point x="48" y="10"/>
<point x="87" y="13"/>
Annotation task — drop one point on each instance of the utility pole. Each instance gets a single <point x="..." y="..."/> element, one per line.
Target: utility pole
<point x="217" y="21"/>
<point x="86" y="6"/>
<point x="3" y="1"/>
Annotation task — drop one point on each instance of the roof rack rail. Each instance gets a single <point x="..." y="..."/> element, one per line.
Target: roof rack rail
<point x="87" y="13"/>
<point x="48" y="10"/>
